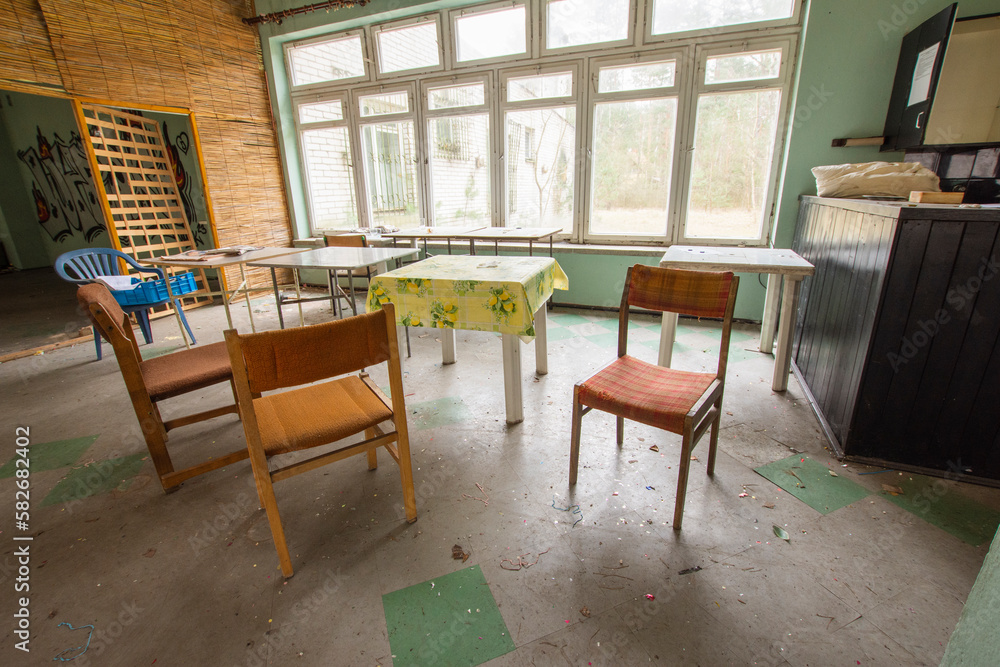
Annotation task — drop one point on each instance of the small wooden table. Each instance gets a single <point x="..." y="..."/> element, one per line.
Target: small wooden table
<point x="497" y="234"/>
<point x="219" y="262"/>
<point x="332" y="260"/>
<point x="784" y="269"/>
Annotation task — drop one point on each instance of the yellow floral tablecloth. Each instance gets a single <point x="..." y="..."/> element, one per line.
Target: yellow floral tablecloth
<point x="469" y="292"/>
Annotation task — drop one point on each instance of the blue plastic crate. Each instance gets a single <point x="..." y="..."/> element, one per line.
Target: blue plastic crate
<point x="156" y="290"/>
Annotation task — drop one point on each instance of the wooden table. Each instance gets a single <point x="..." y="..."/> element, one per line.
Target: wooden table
<point x="220" y="263"/>
<point x="432" y="233"/>
<point x="784" y="269"/>
<point x="332" y="260"/>
<point x="497" y="234"/>
<point x="506" y="295"/>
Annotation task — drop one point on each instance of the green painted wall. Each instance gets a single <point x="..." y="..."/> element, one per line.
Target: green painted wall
<point x="845" y="71"/>
<point x="45" y="150"/>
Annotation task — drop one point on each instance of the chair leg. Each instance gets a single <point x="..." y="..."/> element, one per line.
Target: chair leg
<point x="406" y="476"/>
<point x="184" y="320"/>
<point x="142" y="317"/>
<point x="97" y="343"/>
<point x="620" y="429"/>
<point x="266" y="488"/>
<point x="156" y="442"/>
<point x="682" y="478"/>
<point x="372" y="453"/>
<point x="713" y="442"/>
<point x="574" y="438"/>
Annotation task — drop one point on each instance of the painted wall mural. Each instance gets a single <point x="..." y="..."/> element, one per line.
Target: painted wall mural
<point x="62" y="188"/>
<point x="182" y="144"/>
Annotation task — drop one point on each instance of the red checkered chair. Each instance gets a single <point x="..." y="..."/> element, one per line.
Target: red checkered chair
<point x="682" y="402"/>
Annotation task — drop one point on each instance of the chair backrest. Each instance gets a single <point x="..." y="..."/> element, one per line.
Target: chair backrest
<point x="346" y="240"/>
<point x="291" y="357"/>
<point x="697" y="293"/>
<point x="84" y="265"/>
<point x="112" y="323"/>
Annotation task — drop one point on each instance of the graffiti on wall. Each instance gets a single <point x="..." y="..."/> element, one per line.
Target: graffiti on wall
<point x="182" y="144"/>
<point x="62" y="188"/>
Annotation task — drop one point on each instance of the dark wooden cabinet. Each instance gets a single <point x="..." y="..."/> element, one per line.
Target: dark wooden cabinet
<point x="898" y="332"/>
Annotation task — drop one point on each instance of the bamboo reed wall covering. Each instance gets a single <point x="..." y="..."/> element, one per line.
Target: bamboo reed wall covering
<point x="184" y="54"/>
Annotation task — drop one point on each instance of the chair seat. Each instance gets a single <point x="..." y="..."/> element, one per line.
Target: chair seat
<point x="644" y="392"/>
<point x="186" y="370"/>
<point x="317" y="414"/>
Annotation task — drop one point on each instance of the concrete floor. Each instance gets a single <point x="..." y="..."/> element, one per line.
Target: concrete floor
<point x="191" y="577"/>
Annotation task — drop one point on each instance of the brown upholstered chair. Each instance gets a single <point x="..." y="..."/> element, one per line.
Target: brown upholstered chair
<point x="150" y="381"/>
<point x="682" y="402"/>
<point x="348" y="241"/>
<point x="310" y="413"/>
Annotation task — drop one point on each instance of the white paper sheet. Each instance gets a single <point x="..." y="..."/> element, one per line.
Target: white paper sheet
<point x="920" y="88"/>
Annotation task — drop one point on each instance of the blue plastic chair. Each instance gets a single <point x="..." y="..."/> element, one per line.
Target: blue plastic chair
<point x="84" y="266"/>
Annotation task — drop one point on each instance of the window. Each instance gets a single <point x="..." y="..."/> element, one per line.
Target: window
<point x="495" y="33"/>
<point x="670" y="16"/>
<point x="551" y="113"/>
<point x="579" y="22"/>
<point x="408" y="48"/>
<point x="333" y="60"/>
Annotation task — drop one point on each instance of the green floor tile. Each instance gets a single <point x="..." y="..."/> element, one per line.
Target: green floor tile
<point x="605" y="340"/>
<point x="559" y="333"/>
<point x="51" y="455"/>
<point x="812" y="483"/>
<point x="96" y="478"/>
<point x="447" y="622"/>
<point x="566" y="320"/>
<point x="439" y="412"/>
<point x="933" y="501"/>
<point x="612" y="325"/>
<point x="740" y="337"/>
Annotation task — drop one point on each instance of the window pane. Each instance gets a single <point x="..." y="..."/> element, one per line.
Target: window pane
<point x="321" y="111"/>
<point x="743" y="67"/>
<point x="636" y="77"/>
<point x="459" y="169"/>
<point x="537" y="87"/>
<point x="391" y="174"/>
<point x="329" y="61"/>
<point x="633" y="154"/>
<point x="733" y="145"/>
<point x="680" y="15"/>
<point x="380" y="105"/>
<point x="331" y="178"/>
<point x="408" y="48"/>
<point x="541" y="152"/>
<point x="456" y="96"/>
<point x="490" y="34"/>
<point x="576" y="22"/>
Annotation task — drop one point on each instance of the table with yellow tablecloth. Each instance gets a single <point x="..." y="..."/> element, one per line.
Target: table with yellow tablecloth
<point x="506" y="295"/>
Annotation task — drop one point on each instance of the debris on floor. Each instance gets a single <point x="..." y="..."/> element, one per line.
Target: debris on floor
<point x="521" y="564"/>
<point x="696" y="568"/>
<point x="458" y="553"/>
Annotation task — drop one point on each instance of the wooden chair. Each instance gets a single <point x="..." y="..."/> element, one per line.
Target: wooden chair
<point x="312" y="413"/>
<point x="348" y="241"/>
<point x="150" y="381"/>
<point x="682" y="402"/>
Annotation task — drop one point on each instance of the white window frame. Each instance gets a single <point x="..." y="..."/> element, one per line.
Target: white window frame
<point x="649" y="38"/>
<point x="488" y="106"/>
<point x="682" y="76"/>
<point x="472" y="10"/>
<point x="325" y="85"/>
<point x="546" y="50"/>
<point x="781" y="82"/>
<point x="377" y="29"/>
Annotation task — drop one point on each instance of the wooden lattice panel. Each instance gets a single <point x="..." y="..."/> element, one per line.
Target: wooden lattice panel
<point x="138" y="181"/>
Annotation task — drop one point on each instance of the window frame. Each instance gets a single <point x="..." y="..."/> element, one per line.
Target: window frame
<point x="701" y="33"/>
<point x="374" y="30"/>
<point x="782" y="83"/>
<point x="471" y="10"/>
<point x="325" y="85"/>
<point x="632" y="38"/>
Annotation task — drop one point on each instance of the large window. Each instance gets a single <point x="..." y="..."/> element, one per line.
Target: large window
<point x="617" y="121"/>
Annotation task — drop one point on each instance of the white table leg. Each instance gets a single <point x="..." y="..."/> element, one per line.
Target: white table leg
<point x="786" y="327"/>
<point x="177" y="315"/>
<point x="770" y="318"/>
<point x="245" y="286"/>
<point x="401" y="343"/>
<point x="448" y="346"/>
<point x="541" y="341"/>
<point x="512" y="378"/>
<point x="668" y="330"/>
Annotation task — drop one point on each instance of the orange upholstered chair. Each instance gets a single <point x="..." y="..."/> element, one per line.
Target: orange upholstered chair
<point x="150" y="381"/>
<point x="311" y="413"/>
<point x="682" y="402"/>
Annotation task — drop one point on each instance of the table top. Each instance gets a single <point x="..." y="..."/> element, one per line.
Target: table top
<point x="510" y="233"/>
<point x="431" y="232"/>
<point x="335" y="258"/>
<point x="210" y="261"/>
<point x="498" y="294"/>
<point x="729" y="258"/>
